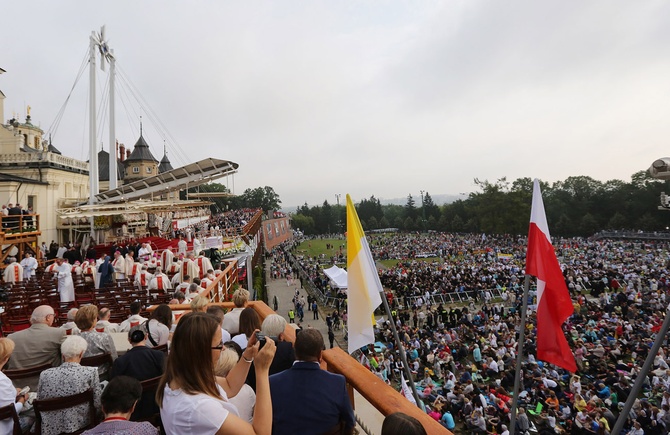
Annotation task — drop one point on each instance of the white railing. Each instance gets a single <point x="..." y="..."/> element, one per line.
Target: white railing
<point x="44" y="157"/>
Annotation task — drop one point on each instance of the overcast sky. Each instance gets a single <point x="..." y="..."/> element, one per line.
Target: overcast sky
<point x="386" y="98"/>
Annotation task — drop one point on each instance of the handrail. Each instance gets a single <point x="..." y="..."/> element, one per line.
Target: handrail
<point x="383" y="397"/>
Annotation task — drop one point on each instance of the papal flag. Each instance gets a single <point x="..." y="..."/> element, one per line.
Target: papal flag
<point x="406" y="391"/>
<point x="363" y="283"/>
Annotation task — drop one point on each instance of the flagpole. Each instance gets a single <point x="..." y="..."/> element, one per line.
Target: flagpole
<point x="637" y="386"/>
<point x="519" y="356"/>
<point x="401" y="350"/>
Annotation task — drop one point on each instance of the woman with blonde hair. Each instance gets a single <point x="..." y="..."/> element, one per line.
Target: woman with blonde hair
<point x="8" y="394"/>
<point x="199" y="304"/>
<point x="196" y="401"/>
<point x="246" y="398"/>
<point x="86" y="320"/>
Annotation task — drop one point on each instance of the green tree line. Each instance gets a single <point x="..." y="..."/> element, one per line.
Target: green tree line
<point x="260" y="197"/>
<point x="576" y="206"/>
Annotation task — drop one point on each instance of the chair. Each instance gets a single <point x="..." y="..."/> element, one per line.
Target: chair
<point x="538" y="409"/>
<point x="19" y="324"/>
<point x="97" y="360"/>
<point x="147" y="409"/>
<point x="29" y="372"/>
<point x="66" y="402"/>
<point x="9" y="411"/>
<point x="162" y="348"/>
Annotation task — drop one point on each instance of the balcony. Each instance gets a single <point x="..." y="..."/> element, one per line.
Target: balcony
<point x="360" y="380"/>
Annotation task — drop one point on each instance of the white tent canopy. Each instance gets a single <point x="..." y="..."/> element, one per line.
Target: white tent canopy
<point x="337" y="276"/>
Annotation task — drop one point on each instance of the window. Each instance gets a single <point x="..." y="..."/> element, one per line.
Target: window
<point x="149" y="169"/>
<point x="136" y="170"/>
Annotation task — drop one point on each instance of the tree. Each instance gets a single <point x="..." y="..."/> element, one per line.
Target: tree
<point x="303" y="223"/>
<point x="410" y="225"/>
<point x="410" y="208"/>
<point x="457" y="224"/>
<point x="617" y="221"/>
<point x="264" y="198"/>
<point x="588" y="225"/>
<point x="429" y="207"/>
<point x="368" y="208"/>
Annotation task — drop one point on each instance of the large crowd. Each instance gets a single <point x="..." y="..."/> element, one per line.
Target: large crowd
<point x="462" y="357"/>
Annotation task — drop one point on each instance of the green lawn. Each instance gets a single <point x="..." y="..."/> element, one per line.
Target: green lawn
<point x="316" y="247"/>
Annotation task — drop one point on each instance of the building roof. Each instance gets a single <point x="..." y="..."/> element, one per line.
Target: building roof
<point x="165" y="164"/>
<point x="191" y="175"/>
<point x="4" y="177"/>
<point x="103" y="167"/>
<point x="141" y="152"/>
<point x="53" y="149"/>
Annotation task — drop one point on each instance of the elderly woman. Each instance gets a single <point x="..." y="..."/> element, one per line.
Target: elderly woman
<point x="98" y="342"/>
<point x="246" y="398"/>
<point x="8" y="394"/>
<point x="68" y="379"/>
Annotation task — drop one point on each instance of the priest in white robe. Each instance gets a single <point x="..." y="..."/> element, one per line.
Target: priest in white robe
<point x="29" y="264"/>
<point x="65" y="284"/>
<point x="13" y="272"/>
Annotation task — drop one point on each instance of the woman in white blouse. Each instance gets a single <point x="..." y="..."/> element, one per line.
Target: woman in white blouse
<point x="196" y="401"/>
<point x="245" y="400"/>
<point x="8" y="394"/>
<point x="158" y="326"/>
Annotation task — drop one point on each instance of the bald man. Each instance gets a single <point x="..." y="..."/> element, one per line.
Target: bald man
<point x="39" y="344"/>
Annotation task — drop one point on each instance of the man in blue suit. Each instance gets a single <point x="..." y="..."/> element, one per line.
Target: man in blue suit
<point x="307" y="400"/>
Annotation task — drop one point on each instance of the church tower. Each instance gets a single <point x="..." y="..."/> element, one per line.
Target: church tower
<point x="140" y="163"/>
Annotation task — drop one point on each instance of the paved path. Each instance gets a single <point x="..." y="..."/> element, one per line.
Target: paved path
<point x="370" y="415"/>
<point x="285" y="294"/>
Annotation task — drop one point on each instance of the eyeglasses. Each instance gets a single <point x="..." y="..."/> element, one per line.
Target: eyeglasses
<point x="219" y="347"/>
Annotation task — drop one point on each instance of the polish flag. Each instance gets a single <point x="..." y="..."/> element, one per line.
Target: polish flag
<point x="554" y="305"/>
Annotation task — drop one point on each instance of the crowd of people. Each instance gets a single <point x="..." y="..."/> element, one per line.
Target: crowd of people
<point x="462" y="357"/>
<point x="248" y="380"/>
<point x="12" y="220"/>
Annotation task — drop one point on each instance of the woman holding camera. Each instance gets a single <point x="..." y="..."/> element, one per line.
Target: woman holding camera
<point x="196" y="400"/>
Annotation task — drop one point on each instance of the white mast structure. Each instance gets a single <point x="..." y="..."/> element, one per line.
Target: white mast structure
<point x="97" y="41"/>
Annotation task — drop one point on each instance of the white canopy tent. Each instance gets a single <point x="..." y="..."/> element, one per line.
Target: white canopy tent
<point x="337" y="276"/>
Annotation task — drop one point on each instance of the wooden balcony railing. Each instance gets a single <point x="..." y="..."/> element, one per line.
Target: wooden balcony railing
<point x="381" y="396"/>
<point x="19" y="226"/>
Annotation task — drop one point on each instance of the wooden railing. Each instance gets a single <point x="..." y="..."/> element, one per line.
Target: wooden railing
<point x="16" y="226"/>
<point x="384" y="398"/>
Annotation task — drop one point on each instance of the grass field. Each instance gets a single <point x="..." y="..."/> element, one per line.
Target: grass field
<point x="317" y="247"/>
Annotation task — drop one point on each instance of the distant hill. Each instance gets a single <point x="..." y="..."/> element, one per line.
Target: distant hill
<point x="437" y="199"/>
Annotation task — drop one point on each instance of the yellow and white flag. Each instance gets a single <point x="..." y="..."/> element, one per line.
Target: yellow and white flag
<point x="406" y="391"/>
<point x="363" y="285"/>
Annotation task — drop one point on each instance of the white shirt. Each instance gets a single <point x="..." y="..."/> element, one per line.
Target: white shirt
<point x="8" y="397"/>
<point x="198" y="414"/>
<point x="135" y="318"/>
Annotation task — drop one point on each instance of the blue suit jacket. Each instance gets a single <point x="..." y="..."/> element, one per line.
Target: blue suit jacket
<point x="307" y="400"/>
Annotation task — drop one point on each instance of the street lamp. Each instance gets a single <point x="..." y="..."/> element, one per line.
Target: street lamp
<point x="423" y="210"/>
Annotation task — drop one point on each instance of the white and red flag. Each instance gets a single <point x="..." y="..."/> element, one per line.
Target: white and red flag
<point x="554" y="305"/>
